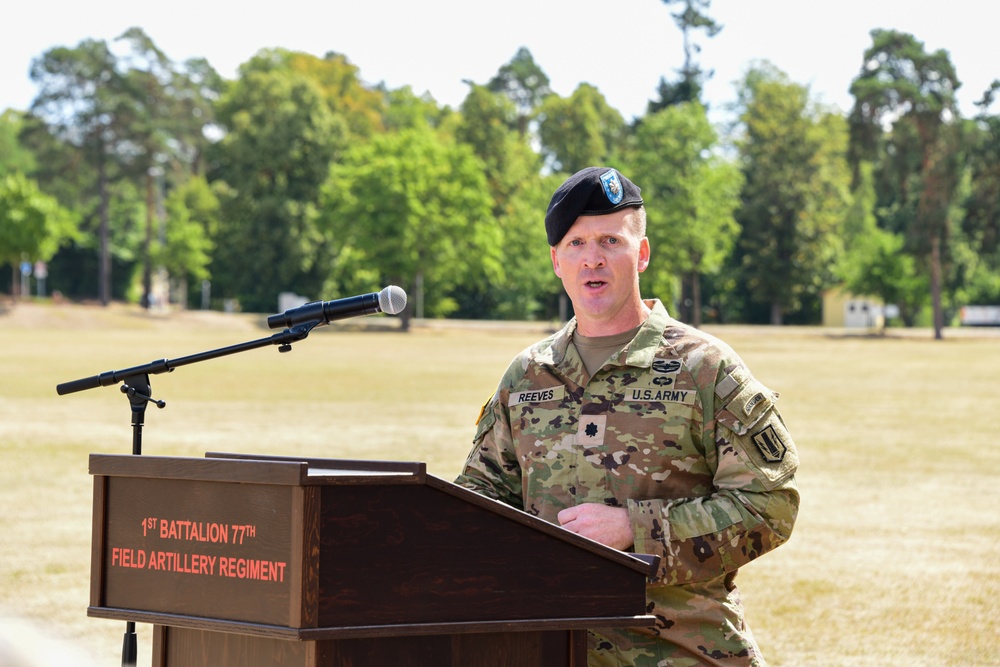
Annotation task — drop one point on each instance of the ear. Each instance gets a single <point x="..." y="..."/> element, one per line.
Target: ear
<point x="643" y="254"/>
<point x="555" y="261"/>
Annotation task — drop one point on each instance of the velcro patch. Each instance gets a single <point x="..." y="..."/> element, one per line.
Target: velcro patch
<point x="726" y="385"/>
<point x="666" y="365"/>
<point x="487" y="417"/>
<point x="482" y="410"/>
<point x="770" y="444"/>
<point x="536" y="395"/>
<point x="749" y="405"/>
<point x="659" y="394"/>
<point x="591" y="429"/>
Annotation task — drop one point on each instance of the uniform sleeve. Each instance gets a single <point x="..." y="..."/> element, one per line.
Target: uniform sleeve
<point x="755" y="500"/>
<point x="491" y="468"/>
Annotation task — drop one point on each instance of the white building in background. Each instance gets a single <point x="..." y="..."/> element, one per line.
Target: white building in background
<point x="842" y="310"/>
<point x="980" y="316"/>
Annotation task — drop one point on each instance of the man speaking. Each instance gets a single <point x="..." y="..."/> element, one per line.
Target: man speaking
<point x="642" y="433"/>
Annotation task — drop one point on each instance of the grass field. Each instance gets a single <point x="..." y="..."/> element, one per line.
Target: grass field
<point x="895" y="560"/>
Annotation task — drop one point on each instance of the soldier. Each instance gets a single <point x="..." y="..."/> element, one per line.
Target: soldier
<point x="647" y="435"/>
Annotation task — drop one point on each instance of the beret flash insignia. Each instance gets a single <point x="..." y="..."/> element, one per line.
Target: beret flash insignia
<point x="612" y="186"/>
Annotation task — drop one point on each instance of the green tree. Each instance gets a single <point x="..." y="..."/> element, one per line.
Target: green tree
<point x="14" y="157"/>
<point x="148" y="75"/>
<point x="692" y="16"/>
<point x="902" y="87"/>
<point x="82" y="101"/>
<point x="362" y="109"/>
<point x="489" y="125"/>
<point x="32" y="224"/>
<point x="690" y="194"/>
<point x="523" y="82"/>
<point x="280" y="138"/>
<point x="981" y="223"/>
<point x="192" y="215"/>
<point x="796" y="193"/>
<point x="414" y="205"/>
<point x="874" y="262"/>
<point x="105" y="117"/>
<point x="194" y="90"/>
<point x="878" y="267"/>
<point x="580" y="131"/>
<point x="406" y="110"/>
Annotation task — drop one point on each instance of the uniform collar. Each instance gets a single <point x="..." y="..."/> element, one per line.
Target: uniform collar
<point x="640" y="352"/>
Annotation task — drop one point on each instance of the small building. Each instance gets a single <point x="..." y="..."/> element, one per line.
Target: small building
<point x="980" y="316"/>
<point x="843" y="310"/>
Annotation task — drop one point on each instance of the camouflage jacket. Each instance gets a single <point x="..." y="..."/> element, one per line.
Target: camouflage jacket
<point x="675" y="429"/>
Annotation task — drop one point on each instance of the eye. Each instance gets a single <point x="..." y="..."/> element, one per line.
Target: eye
<point x="612" y="240"/>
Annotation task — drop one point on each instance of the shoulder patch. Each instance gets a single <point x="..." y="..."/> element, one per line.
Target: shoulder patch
<point x="487" y="417"/>
<point x="731" y="382"/>
<point x="758" y="433"/>
<point x="482" y="410"/>
<point x="770" y="444"/>
<point x="747" y="406"/>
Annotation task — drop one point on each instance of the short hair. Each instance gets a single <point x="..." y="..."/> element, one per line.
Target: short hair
<point x="636" y="220"/>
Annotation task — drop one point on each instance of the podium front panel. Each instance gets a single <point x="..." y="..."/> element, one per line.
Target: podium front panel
<point x="211" y="549"/>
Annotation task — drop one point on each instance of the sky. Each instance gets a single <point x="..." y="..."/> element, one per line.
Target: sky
<point x="622" y="47"/>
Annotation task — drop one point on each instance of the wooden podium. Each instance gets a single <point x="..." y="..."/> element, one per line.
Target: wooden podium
<point x="252" y="561"/>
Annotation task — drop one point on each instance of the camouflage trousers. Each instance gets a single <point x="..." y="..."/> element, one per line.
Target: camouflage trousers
<point x="624" y="648"/>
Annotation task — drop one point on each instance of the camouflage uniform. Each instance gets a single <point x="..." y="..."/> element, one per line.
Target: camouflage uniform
<point x="675" y="429"/>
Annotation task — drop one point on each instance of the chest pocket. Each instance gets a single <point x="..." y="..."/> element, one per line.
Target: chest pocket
<point x="646" y="447"/>
<point x="660" y="411"/>
<point x="538" y="413"/>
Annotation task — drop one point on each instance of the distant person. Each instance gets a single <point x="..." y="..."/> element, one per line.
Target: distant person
<point x="642" y="433"/>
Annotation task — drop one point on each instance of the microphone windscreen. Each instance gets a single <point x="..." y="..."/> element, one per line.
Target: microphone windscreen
<point x="392" y="300"/>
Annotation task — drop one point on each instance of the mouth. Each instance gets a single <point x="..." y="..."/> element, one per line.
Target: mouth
<point x="594" y="284"/>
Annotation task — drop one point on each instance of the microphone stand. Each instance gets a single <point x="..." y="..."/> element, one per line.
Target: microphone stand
<point x="135" y="385"/>
<point x="137" y="388"/>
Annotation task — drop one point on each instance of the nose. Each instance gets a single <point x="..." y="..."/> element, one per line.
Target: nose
<point x="593" y="256"/>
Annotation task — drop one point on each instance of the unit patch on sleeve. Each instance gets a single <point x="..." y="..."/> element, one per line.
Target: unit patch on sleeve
<point x="752" y="403"/>
<point x="770" y="444"/>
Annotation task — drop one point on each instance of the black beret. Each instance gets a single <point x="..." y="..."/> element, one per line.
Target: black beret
<point x="590" y="191"/>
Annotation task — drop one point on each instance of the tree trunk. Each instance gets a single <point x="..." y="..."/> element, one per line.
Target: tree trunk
<point x="695" y="300"/>
<point x="776" y="314"/>
<point x="104" y="277"/>
<point x="147" y="244"/>
<point x="936" y="288"/>
<point x="418" y="297"/>
<point x="406" y="316"/>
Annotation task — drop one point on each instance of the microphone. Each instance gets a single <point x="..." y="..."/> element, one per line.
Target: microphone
<point x="390" y="300"/>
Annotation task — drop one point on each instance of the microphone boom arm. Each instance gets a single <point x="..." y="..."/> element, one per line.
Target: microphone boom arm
<point x="283" y="339"/>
